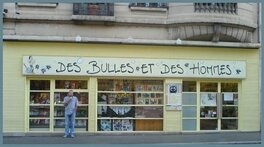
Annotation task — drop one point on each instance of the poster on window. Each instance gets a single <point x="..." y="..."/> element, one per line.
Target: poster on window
<point x="106" y="125"/>
<point x="174" y="96"/>
<point x="208" y="99"/>
<point x="228" y="97"/>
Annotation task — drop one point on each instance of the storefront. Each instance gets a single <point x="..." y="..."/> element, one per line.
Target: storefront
<point x="131" y="88"/>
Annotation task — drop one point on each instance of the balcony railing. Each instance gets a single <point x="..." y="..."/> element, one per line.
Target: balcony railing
<point x="149" y="5"/>
<point x="98" y="9"/>
<point x="216" y="7"/>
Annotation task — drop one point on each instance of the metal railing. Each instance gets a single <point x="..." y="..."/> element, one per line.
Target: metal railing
<point x="216" y="7"/>
<point x="149" y="5"/>
<point x="98" y="9"/>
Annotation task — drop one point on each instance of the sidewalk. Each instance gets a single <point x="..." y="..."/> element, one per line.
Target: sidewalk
<point x="182" y="138"/>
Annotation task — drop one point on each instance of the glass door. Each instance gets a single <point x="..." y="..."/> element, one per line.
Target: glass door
<point x="209" y="106"/>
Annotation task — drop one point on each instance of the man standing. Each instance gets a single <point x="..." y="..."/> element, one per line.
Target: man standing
<point x="70" y="103"/>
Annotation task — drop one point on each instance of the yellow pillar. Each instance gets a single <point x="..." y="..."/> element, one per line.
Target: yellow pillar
<point x="172" y="118"/>
<point x="92" y="105"/>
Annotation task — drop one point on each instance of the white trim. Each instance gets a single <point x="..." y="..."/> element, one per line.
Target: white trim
<point x="130" y="41"/>
<point x="52" y="5"/>
<point x="135" y="8"/>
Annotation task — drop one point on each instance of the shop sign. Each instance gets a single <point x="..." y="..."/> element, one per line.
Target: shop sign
<point x="132" y="67"/>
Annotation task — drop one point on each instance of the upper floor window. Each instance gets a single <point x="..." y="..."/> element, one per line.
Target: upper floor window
<point x="216" y="7"/>
<point x="99" y="9"/>
<point x="149" y="5"/>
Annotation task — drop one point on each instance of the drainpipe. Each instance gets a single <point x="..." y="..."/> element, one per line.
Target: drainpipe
<point x="261" y="77"/>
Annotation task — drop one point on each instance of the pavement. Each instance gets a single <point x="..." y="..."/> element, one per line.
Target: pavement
<point x="139" y="138"/>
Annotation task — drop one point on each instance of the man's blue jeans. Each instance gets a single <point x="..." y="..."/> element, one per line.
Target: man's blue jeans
<point x="69" y="124"/>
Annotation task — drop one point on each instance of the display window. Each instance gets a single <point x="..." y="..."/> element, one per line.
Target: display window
<point x="132" y="105"/>
<point x="229" y="107"/>
<point x="189" y="106"/>
<point x="129" y="105"/>
<point x="39" y="105"/>
<point x="217" y="106"/>
<point x="46" y="110"/>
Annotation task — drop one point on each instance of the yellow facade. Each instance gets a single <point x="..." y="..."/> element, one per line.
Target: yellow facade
<point x="15" y="85"/>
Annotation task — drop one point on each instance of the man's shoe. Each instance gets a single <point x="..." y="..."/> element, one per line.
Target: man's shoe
<point x="65" y="136"/>
<point x="72" y="136"/>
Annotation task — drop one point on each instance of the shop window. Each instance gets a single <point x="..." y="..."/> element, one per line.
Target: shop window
<point x="39" y="124"/>
<point x="128" y="105"/>
<point x="230" y="112"/>
<point x="189" y="106"/>
<point x="39" y="105"/>
<point x="39" y="111"/>
<point x="209" y="106"/>
<point x="189" y="98"/>
<point x="80" y="88"/>
<point x="41" y="100"/>
<point x="208" y="112"/>
<point x="218" y="105"/>
<point x="189" y="124"/>
<point x="70" y="84"/>
<point x="39" y="85"/>
<point x="189" y="86"/>
<point x="189" y="111"/>
<point x="229" y="124"/>
<point x="229" y="107"/>
<point x="39" y="97"/>
<point x="229" y="87"/>
<point x="149" y="125"/>
<point x="208" y="87"/>
<point x="210" y="124"/>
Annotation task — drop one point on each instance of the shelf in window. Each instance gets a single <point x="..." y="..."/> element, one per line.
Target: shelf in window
<point x="161" y="92"/>
<point x="59" y="105"/>
<point x="189" y="118"/>
<point x="39" y="91"/>
<point x="83" y="105"/>
<point x="129" y="131"/>
<point x="39" y="104"/>
<point x="189" y="92"/>
<point x="39" y="117"/>
<point x="208" y="106"/>
<point x="62" y="126"/>
<point x="191" y="106"/>
<point x="82" y="118"/>
<point x="39" y="126"/>
<point x="129" y="105"/>
<point x="208" y="118"/>
<point x="230" y="105"/>
<point x="74" y="90"/>
<point x="59" y="118"/>
<point x="229" y="118"/>
<point x="149" y="105"/>
<point x="134" y="118"/>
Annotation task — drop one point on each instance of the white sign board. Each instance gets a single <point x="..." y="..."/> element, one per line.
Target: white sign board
<point x="174" y="96"/>
<point x="208" y="99"/>
<point x="228" y="97"/>
<point x="134" y="67"/>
